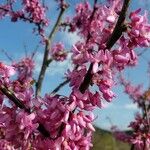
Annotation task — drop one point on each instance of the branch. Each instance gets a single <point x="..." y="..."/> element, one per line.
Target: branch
<point x="132" y="147"/>
<point x="13" y="98"/>
<point x="86" y="82"/>
<point x="120" y="26"/>
<point x="118" y="30"/>
<point x="47" y="48"/>
<point x="60" y="86"/>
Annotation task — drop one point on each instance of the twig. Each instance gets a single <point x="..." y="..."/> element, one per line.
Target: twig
<point x="118" y="30"/>
<point x="7" y="55"/>
<point x="35" y="51"/>
<point x="145" y="114"/>
<point x="47" y="48"/>
<point x="142" y="52"/>
<point x="43" y="3"/>
<point x="60" y="86"/>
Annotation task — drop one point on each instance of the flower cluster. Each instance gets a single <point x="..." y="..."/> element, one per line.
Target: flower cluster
<point x="31" y="11"/>
<point x="139" y="32"/>
<point x="36" y="11"/>
<point x="58" y="113"/>
<point x="25" y="69"/>
<point x="67" y="129"/>
<point x="58" y="52"/>
<point x="139" y="136"/>
<point x="6" y="70"/>
<point x="96" y="26"/>
<point x="95" y="30"/>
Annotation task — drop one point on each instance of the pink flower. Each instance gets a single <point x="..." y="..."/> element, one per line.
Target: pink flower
<point x="80" y="53"/>
<point x="25" y="68"/>
<point x="35" y="10"/>
<point x="58" y="52"/>
<point x="135" y="92"/>
<point x="26" y="123"/>
<point x="6" y="71"/>
<point x="140" y="29"/>
<point x="76" y="76"/>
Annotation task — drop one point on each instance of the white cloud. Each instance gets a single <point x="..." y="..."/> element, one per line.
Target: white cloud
<point x="71" y="38"/>
<point x="131" y="106"/>
<point x="107" y="105"/>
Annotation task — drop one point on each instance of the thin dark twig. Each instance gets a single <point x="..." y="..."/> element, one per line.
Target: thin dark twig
<point x="25" y="50"/>
<point x="142" y="52"/>
<point x="35" y="51"/>
<point x="7" y="55"/>
<point x="60" y="86"/>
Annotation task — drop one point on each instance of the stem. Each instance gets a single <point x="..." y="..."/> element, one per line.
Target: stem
<point x="144" y="147"/>
<point x="116" y="34"/>
<point x="120" y="26"/>
<point x="145" y="114"/>
<point x="132" y="147"/>
<point x="47" y="48"/>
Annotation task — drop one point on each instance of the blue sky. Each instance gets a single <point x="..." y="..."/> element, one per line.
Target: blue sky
<point x="14" y="37"/>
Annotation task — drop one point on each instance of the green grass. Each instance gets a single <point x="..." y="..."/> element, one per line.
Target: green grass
<point x="103" y="140"/>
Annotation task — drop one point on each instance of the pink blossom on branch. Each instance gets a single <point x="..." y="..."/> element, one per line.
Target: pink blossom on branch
<point x="30" y="11"/>
<point x="6" y="71"/>
<point x="65" y="122"/>
<point x="58" y="52"/>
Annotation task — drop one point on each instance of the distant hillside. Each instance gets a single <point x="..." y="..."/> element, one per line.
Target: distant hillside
<point x="103" y="140"/>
